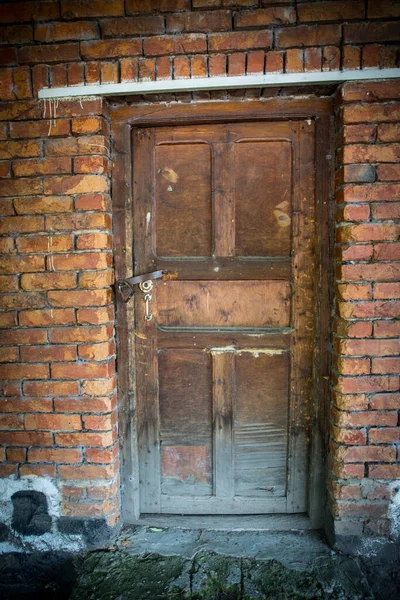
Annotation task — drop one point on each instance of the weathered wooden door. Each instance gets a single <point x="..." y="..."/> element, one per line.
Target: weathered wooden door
<point x="224" y="367"/>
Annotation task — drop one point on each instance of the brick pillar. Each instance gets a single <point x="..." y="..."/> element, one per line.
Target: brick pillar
<point x="59" y="390"/>
<point x="364" y="415"/>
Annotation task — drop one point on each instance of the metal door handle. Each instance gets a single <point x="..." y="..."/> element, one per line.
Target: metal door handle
<point x="126" y="286"/>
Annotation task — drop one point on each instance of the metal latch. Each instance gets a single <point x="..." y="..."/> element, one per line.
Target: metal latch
<point x="126" y="287"/>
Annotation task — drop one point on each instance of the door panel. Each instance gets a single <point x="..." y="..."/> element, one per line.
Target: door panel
<point x="224" y="368"/>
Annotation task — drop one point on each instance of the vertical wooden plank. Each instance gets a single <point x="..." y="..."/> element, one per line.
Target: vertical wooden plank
<point x="122" y="229"/>
<point x="223" y="377"/>
<point x="224" y="204"/>
<point x="302" y="311"/>
<point x="146" y="331"/>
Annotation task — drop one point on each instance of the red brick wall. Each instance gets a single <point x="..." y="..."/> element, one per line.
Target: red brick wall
<point x="365" y="432"/>
<point x="57" y="344"/>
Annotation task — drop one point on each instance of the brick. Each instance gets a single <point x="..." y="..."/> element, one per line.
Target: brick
<point x="330" y="11"/>
<point x="375" y="383"/>
<point x="92" y="279"/>
<point x="274" y="15"/>
<point x="217" y="65"/>
<point x="75" y="108"/>
<point x="38" y="318"/>
<point x="350" y="401"/>
<point x="18" y="336"/>
<point x="10" y="421"/>
<point x="43" y="205"/>
<point x="145" y="6"/>
<point x="25" y="438"/>
<point x="351" y="57"/>
<point x="11" y="388"/>
<point x="19" y="110"/>
<point x="101" y="455"/>
<point x="24" y="405"/>
<point x="52" y="422"/>
<point x="60" y="32"/>
<point x="38" y="129"/>
<point x="377" y="192"/>
<point x="48" y="281"/>
<point x="16" y="34"/>
<point x="75" y="73"/>
<point x="91" y="164"/>
<point x="89" y="509"/>
<point x="389" y="132"/>
<point x="368" y="347"/>
<point x="358" y="174"/>
<point x="115" y="48"/>
<point x="87" y="125"/>
<point x="8" y="470"/>
<point x="348" y="437"/>
<point x="8" y="56"/>
<point x="312" y="59"/>
<point x="109" y="72"/>
<point x="294" y="61"/>
<point x="359" y="113"/>
<point x="198" y="66"/>
<point x="236" y="64"/>
<point x="79" y="261"/>
<point x="75" y="184"/>
<point x="80" y="298"/>
<point x="386" y="329"/>
<point x="65" y="335"/>
<point x="56" y="455"/>
<point x="16" y="454"/>
<point x="360" y="509"/>
<point x="20" y="187"/>
<point x="24" y="371"/>
<point x="384" y="471"/>
<point x="50" y="388"/>
<point x="78" y="9"/>
<point x="353" y="366"/>
<point x="309" y="35"/>
<point x="178" y="44"/>
<point x="88" y="370"/>
<point x="386" y="211"/>
<point x="37" y="470"/>
<point x="5" y="170"/>
<point x="388" y="172"/>
<point x="8" y="283"/>
<point x="203" y="22"/>
<point x="21" y="300"/>
<point x="344" y="492"/>
<point x="147" y="69"/>
<point x="364" y="418"/>
<point x="18" y="12"/>
<point x="371" y="272"/>
<point x="19" y="224"/>
<point x="48" y="353"/>
<point x="358" y="133"/>
<point x="354" y="291"/>
<point x="365" y="310"/>
<point x="100" y="423"/>
<point x="386" y="365"/>
<point x="76" y="222"/>
<point x="385" y="402"/>
<point x="6" y="208"/>
<point x="73" y="493"/>
<point x="354" y="213"/>
<point x="365" y="454"/>
<point x="85" y="405"/>
<point x="330" y="58"/>
<point x="387" y="290"/>
<point x="97" y="352"/>
<point x="389" y="251"/>
<point x="240" y="40"/>
<point x="49" y="53"/>
<point x="6" y="84"/>
<point x="9" y="354"/>
<point x="129" y="69"/>
<point x="44" y="243"/>
<point x="101" y="492"/>
<point x="255" y="62"/>
<point x="94" y="472"/>
<point x="99" y="388"/>
<point x="368" y="232"/>
<point x="181" y="67"/>
<point x="100" y="439"/>
<point x="367" y="32"/>
<point x="95" y="316"/>
<point x="19" y="264"/>
<point x="164" y="67"/>
<point x="132" y="26"/>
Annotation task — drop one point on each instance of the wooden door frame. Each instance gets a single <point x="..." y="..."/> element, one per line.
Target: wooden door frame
<point x="123" y="119"/>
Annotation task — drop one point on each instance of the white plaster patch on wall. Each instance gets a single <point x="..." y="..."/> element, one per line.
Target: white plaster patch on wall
<point x="394" y="508"/>
<point x="9" y="486"/>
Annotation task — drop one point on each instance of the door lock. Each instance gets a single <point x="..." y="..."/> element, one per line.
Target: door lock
<point x="126" y="287"/>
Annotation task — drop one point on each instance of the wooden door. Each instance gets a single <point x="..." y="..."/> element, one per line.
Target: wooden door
<point x="224" y="368"/>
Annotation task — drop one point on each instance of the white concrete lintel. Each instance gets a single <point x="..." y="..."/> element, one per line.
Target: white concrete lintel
<point x="218" y="83"/>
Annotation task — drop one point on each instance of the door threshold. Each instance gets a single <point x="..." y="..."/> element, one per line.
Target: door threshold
<point x="298" y="522"/>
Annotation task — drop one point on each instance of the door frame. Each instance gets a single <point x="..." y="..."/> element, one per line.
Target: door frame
<point x="124" y="117"/>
